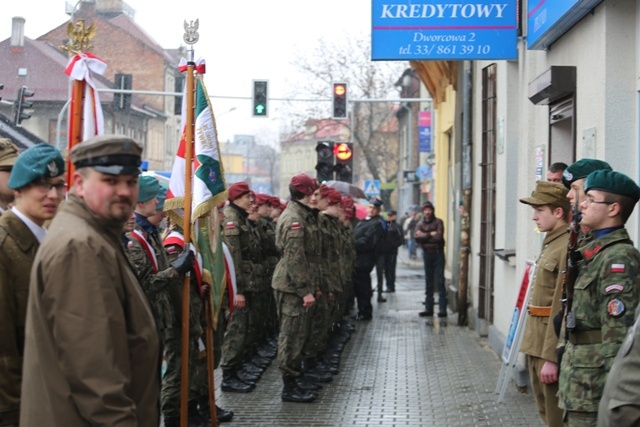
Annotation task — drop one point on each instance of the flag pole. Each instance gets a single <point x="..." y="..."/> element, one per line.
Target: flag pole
<point x="190" y="37"/>
<point x="75" y="124"/>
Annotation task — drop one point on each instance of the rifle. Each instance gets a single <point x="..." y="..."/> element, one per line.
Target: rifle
<point x="571" y="271"/>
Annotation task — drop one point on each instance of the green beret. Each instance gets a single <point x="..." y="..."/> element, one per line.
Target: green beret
<point x="37" y="162"/>
<point x="612" y="182"/>
<point x="581" y="169"/>
<point x="148" y="187"/>
<point x="161" y="196"/>
<point x="548" y="193"/>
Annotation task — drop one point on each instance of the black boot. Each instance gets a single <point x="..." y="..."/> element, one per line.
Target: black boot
<point x="194" y="417"/>
<point x="247" y="377"/>
<point x="232" y="384"/>
<point x="291" y="392"/>
<point x="313" y="373"/>
<point x="172" y="421"/>
<point x="222" y="414"/>
<point x="304" y="384"/>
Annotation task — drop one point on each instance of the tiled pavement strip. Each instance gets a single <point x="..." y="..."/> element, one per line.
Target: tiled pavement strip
<point x="396" y="371"/>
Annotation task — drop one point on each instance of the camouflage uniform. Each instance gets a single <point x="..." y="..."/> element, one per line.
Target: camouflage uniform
<point x="606" y="294"/>
<point x="271" y="256"/>
<point x="244" y="247"/>
<point x="295" y="276"/>
<point x="162" y="288"/>
<point x="348" y="267"/>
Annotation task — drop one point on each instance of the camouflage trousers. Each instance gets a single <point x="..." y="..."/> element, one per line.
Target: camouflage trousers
<point x="580" y="419"/>
<point x="319" y="329"/>
<point x="239" y="336"/>
<point x="295" y="321"/>
<point x="171" y="391"/>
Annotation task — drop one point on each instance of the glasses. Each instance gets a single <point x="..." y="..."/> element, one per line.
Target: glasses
<point x="46" y="186"/>
<point x="589" y="200"/>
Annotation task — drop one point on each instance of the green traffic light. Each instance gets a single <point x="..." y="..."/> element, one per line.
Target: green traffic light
<point x="260" y="109"/>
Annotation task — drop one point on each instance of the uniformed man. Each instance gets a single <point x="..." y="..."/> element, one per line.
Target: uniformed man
<point x="38" y="184"/>
<point x="8" y="156"/>
<point x="161" y="280"/>
<point x="239" y="238"/>
<point x="605" y="295"/>
<point x="92" y="355"/>
<point x="550" y="214"/>
<point x="574" y="176"/>
<point x="296" y="283"/>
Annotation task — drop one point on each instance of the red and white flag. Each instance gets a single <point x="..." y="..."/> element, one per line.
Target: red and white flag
<point x="81" y="67"/>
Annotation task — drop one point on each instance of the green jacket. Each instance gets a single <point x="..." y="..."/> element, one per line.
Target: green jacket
<point x="244" y="244"/>
<point x="606" y="294"/>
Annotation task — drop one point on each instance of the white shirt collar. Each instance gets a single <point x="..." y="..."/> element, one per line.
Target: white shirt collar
<point x="37" y="231"/>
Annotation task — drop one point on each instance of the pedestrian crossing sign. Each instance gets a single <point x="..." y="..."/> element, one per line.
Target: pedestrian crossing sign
<point x="372" y="188"/>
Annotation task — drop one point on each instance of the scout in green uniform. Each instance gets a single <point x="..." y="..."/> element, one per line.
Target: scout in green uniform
<point x="8" y="156"/>
<point x="550" y="213"/>
<point x="296" y="283"/>
<point x="161" y="280"/>
<point x="38" y="184"/>
<point x="605" y="297"/>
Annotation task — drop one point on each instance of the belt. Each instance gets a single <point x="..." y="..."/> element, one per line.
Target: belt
<point x="537" y="311"/>
<point x="432" y="251"/>
<point x="585" y="337"/>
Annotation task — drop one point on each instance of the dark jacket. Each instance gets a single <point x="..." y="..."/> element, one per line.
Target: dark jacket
<point x="422" y="234"/>
<point x="369" y="235"/>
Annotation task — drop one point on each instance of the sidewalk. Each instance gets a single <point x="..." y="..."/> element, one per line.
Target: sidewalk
<point x="397" y="371"/>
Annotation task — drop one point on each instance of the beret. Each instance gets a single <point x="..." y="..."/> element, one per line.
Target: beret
<point x="110" y="154"/>
<point x="612" y="182"/>
<point x="37" y="162"/>
<point x="548" y="193"/>
<point x="304" y="184"/>
<point x="332" y="195"/>
<point x="275" y="202"/>
<point x="148" y="188"/>
<point x="581" y="169"/>
<point x="263" y="199"/>
<point x="8" y="153"/>
<point x="161" y="196"/>
<point x="237" y="189"/>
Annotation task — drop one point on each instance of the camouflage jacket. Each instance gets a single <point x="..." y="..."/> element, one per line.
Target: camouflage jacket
<point x="162" y="287"/>
<point x="268" y="244"/>
<point x="298" y="238"/>
<point x="348" y="254"/>
<point x="331" y="244"/>
<point x="605" y="296"/>
<point x="244" y="245"/>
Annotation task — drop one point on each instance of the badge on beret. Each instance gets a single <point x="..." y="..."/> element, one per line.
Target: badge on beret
<point x="567" y="175"/>
<point x="612" y="288"/>
<point x="617" y="268"/>
<point x="52" y="169"/>
<point x="230" y="225"/>
<point x="295" y="226"/>
<point x="615" y="308"/>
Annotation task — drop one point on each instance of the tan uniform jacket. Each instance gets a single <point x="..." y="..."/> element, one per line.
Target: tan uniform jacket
<point x="92" y="353"/>
<point x="540" y="339"/>
<point x="18" y="248"/>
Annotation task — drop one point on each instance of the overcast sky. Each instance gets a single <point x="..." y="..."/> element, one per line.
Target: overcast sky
<point x="240" y="41"/>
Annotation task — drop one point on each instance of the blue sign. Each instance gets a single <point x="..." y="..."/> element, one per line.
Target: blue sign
<point x="440" y="29"/>
<point x="424" y="132"/>
<point x="423" y="172"/>
<point x="372" y="188"/>
<point x="548" y="20"/>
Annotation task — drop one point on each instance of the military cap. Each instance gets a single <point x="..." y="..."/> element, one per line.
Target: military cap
<point x="237" y="189"/>
<point x="304" y="184"/>
<point x="148" y="188"/>
<point x="110" y="154"/>
<point x="548" y="193"/>
<point x="8" y="153"/>
<point x="37" y="162"/>
<point x="376" y="202"/>
<point x="262" y="199"/>
<point x="581" y="169"/>
<point x="612" y="182"/>
<point x="161" y="196"/>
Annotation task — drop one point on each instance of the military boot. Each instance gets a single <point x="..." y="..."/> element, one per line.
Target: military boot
<point x="232" y="384"/>
<point x="313" y="373"/>
<point x="222" y="414"/>
<point x="291" y="392"/>
<point x="172" y="421"/>
<point x="304" y="384"/>
<point x="194" y="417"/>
<point x="247" y="377"/>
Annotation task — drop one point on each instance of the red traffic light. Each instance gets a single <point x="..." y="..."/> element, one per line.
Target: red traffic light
<point x="339" y="89"/>
<point x="342" y="151"/>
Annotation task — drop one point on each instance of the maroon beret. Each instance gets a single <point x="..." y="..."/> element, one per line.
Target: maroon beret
<point x="237" y="189"/>
<point x="333" y="196"/>
<point x="304" y="184"/>
<point x="262" y="199"/>
<point x="274" y="201"/>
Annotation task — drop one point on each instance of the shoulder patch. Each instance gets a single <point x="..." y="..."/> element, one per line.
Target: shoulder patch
<point x="612" y="288"/>
<point x="615" y="308"/>
<point x="296" y="225"/>
<point x="230" y="225"/>
<point x="617" y="268"/>
<point x="172" y="250"/>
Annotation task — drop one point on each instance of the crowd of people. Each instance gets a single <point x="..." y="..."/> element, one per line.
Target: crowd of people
<point x="91" y="314"/>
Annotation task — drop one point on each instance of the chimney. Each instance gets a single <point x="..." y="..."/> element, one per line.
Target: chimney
<point x="17" y="32"/>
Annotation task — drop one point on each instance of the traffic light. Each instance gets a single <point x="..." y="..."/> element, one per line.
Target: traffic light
<point x="324" y="167"/>
<point x="122" y="101"/>
<point x="339" y="101"/>
<point x="260" y="98"/>
<point x="21" y="104"/>
<point x="343" y="152"/>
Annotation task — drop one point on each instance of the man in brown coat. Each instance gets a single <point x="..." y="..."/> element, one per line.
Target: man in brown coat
<point x="91" y="349"/>
<point x="550" y="213"/>
<point x="38" y="184"/>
